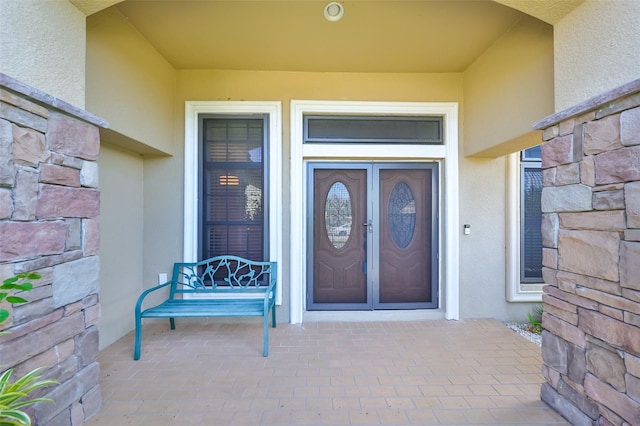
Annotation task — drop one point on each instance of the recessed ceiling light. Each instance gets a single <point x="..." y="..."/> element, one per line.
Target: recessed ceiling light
<point x="333" y="11"/>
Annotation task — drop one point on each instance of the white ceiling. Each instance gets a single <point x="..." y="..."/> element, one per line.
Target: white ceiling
<point x="424" y="36"/>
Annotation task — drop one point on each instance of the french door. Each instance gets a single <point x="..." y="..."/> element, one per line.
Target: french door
<point x="372" y="236"/>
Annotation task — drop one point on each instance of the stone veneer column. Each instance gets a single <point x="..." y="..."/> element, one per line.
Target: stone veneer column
<point x="49" y="207"/>
<point x="591" y="259"/>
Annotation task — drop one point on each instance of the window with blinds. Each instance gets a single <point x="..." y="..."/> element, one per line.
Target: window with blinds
<point x="233" y="187"/>
<point x="530" y="216"/>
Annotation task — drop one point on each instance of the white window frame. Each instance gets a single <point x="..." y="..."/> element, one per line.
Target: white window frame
<point x="516" y="290"/>
<point x="446" y="155"/>
<point x="273" y="110"/>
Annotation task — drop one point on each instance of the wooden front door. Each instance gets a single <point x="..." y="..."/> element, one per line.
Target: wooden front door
<point x="372" y="236"/>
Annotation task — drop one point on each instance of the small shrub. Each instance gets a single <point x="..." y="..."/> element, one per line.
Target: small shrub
<point x="535" y="320"/>
<point x="14" y="396"/>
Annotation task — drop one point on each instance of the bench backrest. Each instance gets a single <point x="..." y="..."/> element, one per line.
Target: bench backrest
<point x="222" y="274"/>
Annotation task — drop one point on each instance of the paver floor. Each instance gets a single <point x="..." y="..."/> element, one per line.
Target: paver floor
<point x="472" y="372"/>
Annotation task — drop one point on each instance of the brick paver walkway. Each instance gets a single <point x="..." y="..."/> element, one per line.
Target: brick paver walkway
<point x="472" y="372"/>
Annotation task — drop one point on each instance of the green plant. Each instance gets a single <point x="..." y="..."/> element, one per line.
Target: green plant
<point x="14" y="395"/>
<point x="18" y="282"/>
<point x="535" y="320"/>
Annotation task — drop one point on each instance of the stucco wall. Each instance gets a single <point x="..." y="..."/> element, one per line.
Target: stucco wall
<point x="42" y="44"/>
<point x="121" y="184"/>
<point x="507" y="88"/>
<point x="597" y="48"/>
<point x="129" y="82"/>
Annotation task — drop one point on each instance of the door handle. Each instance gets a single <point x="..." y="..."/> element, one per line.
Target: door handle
<point x="369" y="226"/>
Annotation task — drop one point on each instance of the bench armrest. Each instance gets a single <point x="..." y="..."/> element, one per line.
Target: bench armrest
<point x="145" y="293"/>
<point x="269" y="297"/>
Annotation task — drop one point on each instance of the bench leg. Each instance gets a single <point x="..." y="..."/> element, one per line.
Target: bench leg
<point x="265" y="339"/>
<point x="136" y="348"/>
<point x="273" y="316"/>
<point x="172" y="322"/>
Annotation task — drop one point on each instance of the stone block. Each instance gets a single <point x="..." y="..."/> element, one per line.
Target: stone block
<point x="62" y="419"/>
<point x="59" y="175"/>
<point x="560" y="304"/>
<point x="22" y="103"/>
<point x="555" y="352"/>
<point x="549" y="228"/>
<point x="75" y="280"/>
<point x="588" y="171"/>
<point x="566" y="127"/>
<point x="550" y="133"/>
<point x="70" y="136"/>
<point x="89" y="174"/>
<point x="24" y="329"/>
<point x="609" y="299"/>
<point x="74" y="234"/>
<point x="571" y="298"/>
<point x="568" y="174"/>
<point x="570" y="317"/>
<point x="7" y="171"/>
<point x="633" y="364"/>
<point x="632" y="234"/>
<point x="611" y="312"/>
<point x="607" y="366"/>
<point x="568" y="198"/>
<point x="6" y="203"/>
<point x="29" y="239"/>
<point x="620" y="404"/>
<point x="630" y="127"/>
<point x="612" y="220"/>
<point x="28" y="311"/>
<point x="609" y="200"/>
<point x="57" y="201"/>
<point x="91" y="237"/>
<point x="92" y="401"/>
<point x="22" y="118"/>
<point x="67" y="161"/>
<point x="591" y="253"/>
<point x="550" y="258"/>
<point x="90" y="300"/>
<point x="40" y="340"/>
<point x="557" y="151"/>
<point x="590" y="282"/>
<point x="632" y="201"/>
<point x="564" y="330"/>
<point x="29" y="147"/>
<point x="577" y="364"/>
<point x="549" y="177"/>
<point x="616" y="333"/>
<point x="92" y="315"/>
<point x="630" y="265"/>
<point x="621" y="165"/>
<point x="602" y="135"/>
<point x="549" y="276"/>
<point x="72" y="308"/>
<point x="632" y="384"/>
<point x="578" y="399"/>
<point x="564" y="407"/>
<point x="77" y="415"/>
<point x="87" y="346"/>
<point x="632" y="319"/>
<point x="67" y="393"/>
<point x="25" y="198"/>
<point x="631" y="294"/>
<point x="48" y="359"/>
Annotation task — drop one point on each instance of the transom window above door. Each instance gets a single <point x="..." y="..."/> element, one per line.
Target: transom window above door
<point x="368" y="129"/>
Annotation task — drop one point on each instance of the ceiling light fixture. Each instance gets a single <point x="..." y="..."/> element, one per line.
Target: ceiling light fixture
<point x="333" y="11"/>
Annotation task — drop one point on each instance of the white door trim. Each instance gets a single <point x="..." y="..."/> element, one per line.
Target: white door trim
<point x="191" y="167"/>
<point x="446" y="154"/>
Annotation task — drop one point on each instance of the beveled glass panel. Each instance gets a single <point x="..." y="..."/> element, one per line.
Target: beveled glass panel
<point x="402" y="215"/>
<point x="337" y="215"/>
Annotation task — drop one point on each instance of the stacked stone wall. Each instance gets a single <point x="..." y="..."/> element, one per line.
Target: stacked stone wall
<point x="591" y="259"/>
<point x="49" y="208"/>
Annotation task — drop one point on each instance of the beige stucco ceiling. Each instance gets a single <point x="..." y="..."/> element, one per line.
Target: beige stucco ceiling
<point x="373" y="36"/>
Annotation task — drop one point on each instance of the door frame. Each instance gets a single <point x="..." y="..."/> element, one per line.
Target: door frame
<point x="373" y="169"/>
<point x="446" y="155"/>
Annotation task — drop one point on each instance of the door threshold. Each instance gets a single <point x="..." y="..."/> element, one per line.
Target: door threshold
<point x="380" y="315"/>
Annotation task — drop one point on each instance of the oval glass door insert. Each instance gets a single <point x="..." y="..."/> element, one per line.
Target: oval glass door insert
<point x="337" y="215"/>
<point x="402" y="215"/>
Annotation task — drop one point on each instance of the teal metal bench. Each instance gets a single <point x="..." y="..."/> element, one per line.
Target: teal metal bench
<point x="223" y="286"/>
